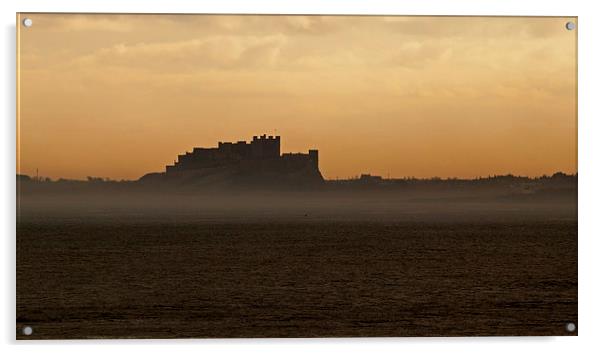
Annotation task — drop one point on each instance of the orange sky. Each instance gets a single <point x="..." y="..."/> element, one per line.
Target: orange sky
<point x="122" y="95"/>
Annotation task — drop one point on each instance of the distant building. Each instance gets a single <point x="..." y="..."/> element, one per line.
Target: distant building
<point x="260" y="157"/>
<point x="367" y="178"/>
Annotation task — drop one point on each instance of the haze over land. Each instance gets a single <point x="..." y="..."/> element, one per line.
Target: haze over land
<point x="390" y="96"/>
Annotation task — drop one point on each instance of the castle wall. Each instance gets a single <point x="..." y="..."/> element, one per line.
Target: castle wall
<point x="261" y="155"/>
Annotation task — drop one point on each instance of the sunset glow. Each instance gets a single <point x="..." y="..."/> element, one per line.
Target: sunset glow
<point x="119" y="96"/>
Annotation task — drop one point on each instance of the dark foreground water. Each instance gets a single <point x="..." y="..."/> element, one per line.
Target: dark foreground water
<point x="299" y="279"/>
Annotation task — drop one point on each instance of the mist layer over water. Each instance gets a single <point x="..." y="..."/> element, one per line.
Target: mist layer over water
<point x="430" y="262"/>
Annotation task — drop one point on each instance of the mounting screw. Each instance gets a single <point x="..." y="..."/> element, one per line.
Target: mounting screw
<point x="570" y="327"/>
<point x="27" y="22"/>
<point x="570" y="25"/>
<point x="27" y="330"/>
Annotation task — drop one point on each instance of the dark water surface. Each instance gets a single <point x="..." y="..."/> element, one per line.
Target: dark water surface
<point x="295" y="279"/>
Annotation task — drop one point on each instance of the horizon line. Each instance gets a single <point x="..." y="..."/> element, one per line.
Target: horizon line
<point x="352" y="178"/>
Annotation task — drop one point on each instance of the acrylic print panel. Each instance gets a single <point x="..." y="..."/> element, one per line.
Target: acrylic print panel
<point x="295" y="176"/>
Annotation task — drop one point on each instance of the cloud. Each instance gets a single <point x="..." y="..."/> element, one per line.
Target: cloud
<point x="86" y="23"/>
<point x="218" y="52"/>
<point x="416" y="54"/>
<point x="265" y="24"/>
<point x="475" y="26"/>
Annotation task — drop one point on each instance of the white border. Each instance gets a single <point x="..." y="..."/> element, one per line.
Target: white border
<point x="375" y="7"/>
<point x="590" y="176"/>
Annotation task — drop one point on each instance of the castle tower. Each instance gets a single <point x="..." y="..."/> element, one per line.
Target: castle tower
<point x="313" y="158"/>
<point x="265" y="147"/>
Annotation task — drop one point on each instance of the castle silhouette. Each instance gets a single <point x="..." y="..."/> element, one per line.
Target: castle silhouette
<point x="258" y="161"/>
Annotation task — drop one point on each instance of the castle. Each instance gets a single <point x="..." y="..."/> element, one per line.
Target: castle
<point x="259" y="160"/>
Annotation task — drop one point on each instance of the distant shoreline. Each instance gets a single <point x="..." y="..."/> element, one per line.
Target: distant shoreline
<point x="362" y="177"/>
